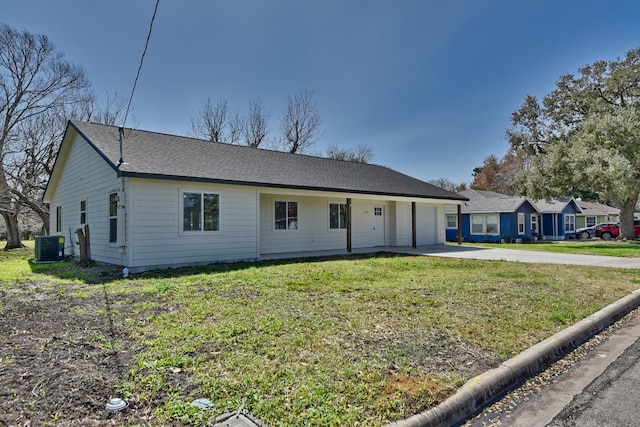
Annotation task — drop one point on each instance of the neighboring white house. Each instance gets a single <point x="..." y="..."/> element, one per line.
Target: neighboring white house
<point x="153" y="200"/>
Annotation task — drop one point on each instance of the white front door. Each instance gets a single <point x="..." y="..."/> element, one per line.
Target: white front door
<point x="378" y="226"/>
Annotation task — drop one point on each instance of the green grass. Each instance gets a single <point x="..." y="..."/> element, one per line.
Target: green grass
<point x="361" y="341"/>
<point x="588" y="247"/>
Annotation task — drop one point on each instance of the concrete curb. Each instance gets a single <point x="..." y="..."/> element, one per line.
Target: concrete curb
<point x="481" y="391"/>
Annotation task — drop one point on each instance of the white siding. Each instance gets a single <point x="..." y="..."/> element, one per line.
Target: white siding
<point x="86" y="176"/>
<point x="313" y="231"/>
<point x="156" y="235"/>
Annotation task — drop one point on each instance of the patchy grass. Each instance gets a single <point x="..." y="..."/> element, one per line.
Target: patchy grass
<point x="628" y="248"/>
<point x="346" y="341"/>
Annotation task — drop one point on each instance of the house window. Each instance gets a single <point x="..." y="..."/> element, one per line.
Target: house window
<point x="200" y="212"/>
<point x="83" y="212"/>
<point x="590" y="221"/>
<point x="113" y="217"/>
<point x="286" y="215"/>
<point x="534" y="224"/>
<point x="337" y="216"/>
<point x="58" y="219"/>
<point x="452" y="221"/>
<point x="485" y="224"/>
<point x="569" y="223"/>
<point x="377" y="211"/>
<point x="521" y="224"/>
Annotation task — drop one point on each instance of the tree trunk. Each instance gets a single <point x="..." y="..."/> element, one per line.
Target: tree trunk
<point x="13" y="231"/>
<point x="627" y="208"/>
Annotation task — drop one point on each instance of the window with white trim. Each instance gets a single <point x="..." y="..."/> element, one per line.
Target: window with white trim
<point x="452" y="221"/>
<point x="521" y="224"/>
<point x="113" y="217"/>
<point x="83" y="212"/>
<point x="590" y="221"/>
<point x="569" y="223"/>
<point x="200" y="212"/>
<point x="337" y="216"/>
<point x="485" y="224"/>
<point x="534" y="223"/>
<point x="285" y="215"/>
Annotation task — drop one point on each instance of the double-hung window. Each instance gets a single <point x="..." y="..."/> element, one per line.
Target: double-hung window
<point x="485" y="224"/>
<point x="286" y="215"/>
<point x="337" y="216"/>
<point x="452" y="221"/>
<point x="569" y="223"/>
<point x="521" y="223"/>
<point x="113" y="217"/>
<point x="200" y="212"/>
<point x="83" y="212"/>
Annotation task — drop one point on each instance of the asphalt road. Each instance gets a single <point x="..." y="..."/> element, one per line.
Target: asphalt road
<point x="613" y="399"/>
<point x="601" y="390"/>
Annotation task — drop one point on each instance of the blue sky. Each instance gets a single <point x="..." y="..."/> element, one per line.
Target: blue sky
<point x="430" y="85"/>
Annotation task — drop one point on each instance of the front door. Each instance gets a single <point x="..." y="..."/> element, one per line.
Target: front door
<point x="378" y="226"/>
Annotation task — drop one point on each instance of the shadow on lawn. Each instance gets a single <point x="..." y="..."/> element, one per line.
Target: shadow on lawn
<point x="93" y="273"/>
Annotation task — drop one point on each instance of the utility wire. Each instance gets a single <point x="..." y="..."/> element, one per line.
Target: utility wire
<point x="144" y="52"/>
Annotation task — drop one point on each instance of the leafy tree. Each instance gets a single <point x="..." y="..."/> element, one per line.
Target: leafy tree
<point x="300" y="123"/>
<point x="585" y="131"/>
<point x="499" y="175"/>
<point x="364" y="154"/>
<point x="35" y="80"/>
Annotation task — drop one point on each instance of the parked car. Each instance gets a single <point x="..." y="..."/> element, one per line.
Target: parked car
<point x="608" y="231"/>
<point x="586" y="232"/>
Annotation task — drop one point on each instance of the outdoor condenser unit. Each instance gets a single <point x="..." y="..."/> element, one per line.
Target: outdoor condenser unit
<point x="49" y="248"/>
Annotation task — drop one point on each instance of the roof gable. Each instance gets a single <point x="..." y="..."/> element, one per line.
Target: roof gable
<point x="161" y="156"/>
<point x="557" y="205"/>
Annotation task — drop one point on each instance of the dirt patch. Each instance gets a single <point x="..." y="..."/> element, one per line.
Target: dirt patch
<point x="62" y="357"/>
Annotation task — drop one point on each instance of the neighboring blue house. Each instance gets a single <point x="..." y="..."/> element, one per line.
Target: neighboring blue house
<point x="558" y="218"/>
<point x="493" y="217"/>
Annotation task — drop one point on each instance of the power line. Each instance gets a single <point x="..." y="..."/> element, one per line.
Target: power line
<point x="144" y="52"/>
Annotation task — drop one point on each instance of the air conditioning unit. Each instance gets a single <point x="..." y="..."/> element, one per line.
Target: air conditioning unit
<point x="49" y="248"/>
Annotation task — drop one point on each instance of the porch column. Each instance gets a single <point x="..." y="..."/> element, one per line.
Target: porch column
<point x="348" y="224"/>
<point x="459" y="224"/>
<point x="414" y="232"/>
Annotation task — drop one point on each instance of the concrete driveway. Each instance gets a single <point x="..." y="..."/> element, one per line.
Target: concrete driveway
<point x="518" y="255"/>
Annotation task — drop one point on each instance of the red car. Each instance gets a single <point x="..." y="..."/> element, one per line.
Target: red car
<point x="610" y="230"/>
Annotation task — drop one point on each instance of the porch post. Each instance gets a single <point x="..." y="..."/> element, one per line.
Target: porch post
<point x="414" y="233"/>
<point x="348" y="224"/>
<point x="459" y="224"/>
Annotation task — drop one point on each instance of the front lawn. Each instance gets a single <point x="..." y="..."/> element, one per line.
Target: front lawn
<point x="345" y="341"/>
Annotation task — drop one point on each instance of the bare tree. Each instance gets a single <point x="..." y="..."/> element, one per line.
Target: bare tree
<point x="256" y="126"/>
<point x="35" y="79"/>
<point x="448" y="185"/>
<point x="110" y="111"/>
<point x="216" y="124"/>
<point x="300" y="123"/>
<point x="364" y="154"/>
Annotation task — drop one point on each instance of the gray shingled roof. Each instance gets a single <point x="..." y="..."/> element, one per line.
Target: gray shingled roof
<point x="157" y="155"/>
<point x="556" y="205"/>
<point x="488" y="202"/>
